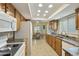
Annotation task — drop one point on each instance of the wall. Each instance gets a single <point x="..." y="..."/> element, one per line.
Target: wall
<point x="22" y="33"/>
<point x="39" y="25"/>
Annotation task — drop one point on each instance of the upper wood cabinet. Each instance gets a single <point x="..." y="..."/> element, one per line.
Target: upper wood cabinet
<point x="18" y="17"/>
<point x="77" y="18"/>
<point x="2" y="7"/>
<point x="10" y="9"/>
<point x="54" y="25"/>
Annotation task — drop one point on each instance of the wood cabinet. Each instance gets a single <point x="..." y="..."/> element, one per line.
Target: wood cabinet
<point x="18" y="19"/>
<point x="77" y="18"/>
<point x="48" y="39"/>
<point x="54" y="25"/>
<point x="55" y="43"/>
<point x="3" y="7"/>
<point x="10" y="9"/>
<point x="67" y="54"/>
<point x="59" y="46"/>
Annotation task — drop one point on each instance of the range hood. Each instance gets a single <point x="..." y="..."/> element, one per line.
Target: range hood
<point x="7" y="22"/>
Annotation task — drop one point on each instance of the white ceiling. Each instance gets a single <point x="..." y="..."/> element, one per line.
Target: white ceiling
<point x="23" y="9"/>
<point x="66" y="11"/>
<point x="29" y="11"/>
<point x="34" y="8"/>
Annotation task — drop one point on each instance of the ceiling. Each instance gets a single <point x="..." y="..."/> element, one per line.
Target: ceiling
<point x="58" y="10"/>
<point x="70" y="9"/>
<point x="23" y="9"/>
<point x="34" y="7"/>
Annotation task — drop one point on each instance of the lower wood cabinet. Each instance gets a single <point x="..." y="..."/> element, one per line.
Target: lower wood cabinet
<point x="55" y="43"/>
<point x="59" y="46"/>
<point x="67" y="54"/>
<point x="48" y="39"/>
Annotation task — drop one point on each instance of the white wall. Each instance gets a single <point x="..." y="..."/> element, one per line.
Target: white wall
<point x="24" y="30"/>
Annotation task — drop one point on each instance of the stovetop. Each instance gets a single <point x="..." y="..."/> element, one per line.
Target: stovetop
<point x="13" y="48"/>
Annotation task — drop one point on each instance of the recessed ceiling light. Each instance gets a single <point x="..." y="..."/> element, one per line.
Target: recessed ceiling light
<point x="46" y="11"/>
<point x="38" y="11"/>
<point x="44" y="15"/>
<point x="50" y="6"/>
<point x="38" y="14"/>
<point x="40" y="5"/>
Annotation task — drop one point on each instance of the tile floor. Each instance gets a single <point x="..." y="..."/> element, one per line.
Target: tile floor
<point x="41" y="48"/>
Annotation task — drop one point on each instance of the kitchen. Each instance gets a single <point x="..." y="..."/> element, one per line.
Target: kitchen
<point x="10" y="19"/>
<point x="34" y="29"/>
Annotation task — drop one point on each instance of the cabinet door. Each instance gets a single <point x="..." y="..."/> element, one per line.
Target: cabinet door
<point x="77" y="18"/>
<point x="58" y="46"/>
<point x="2" y="6"/>
<point x="49" y="40"/>
<point x="10" y="9"/>
<point x="53" y="42"/>
<point x="18" y="20"/>
<point x="54" y="25"/>
<point x="46" y="38"/>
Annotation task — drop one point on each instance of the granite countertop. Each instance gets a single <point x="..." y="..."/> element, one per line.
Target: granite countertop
<point x="67" y="39"/>
<point x="73" y="51"/>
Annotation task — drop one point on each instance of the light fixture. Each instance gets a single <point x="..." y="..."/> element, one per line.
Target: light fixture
<point x="38" y="14"/>
<point x="38" y="11"/>
<point x="40" y="5"/>
<point x="50" y="6"/>
<point x="46" y="11"/>
<point x="44" y="14"/>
